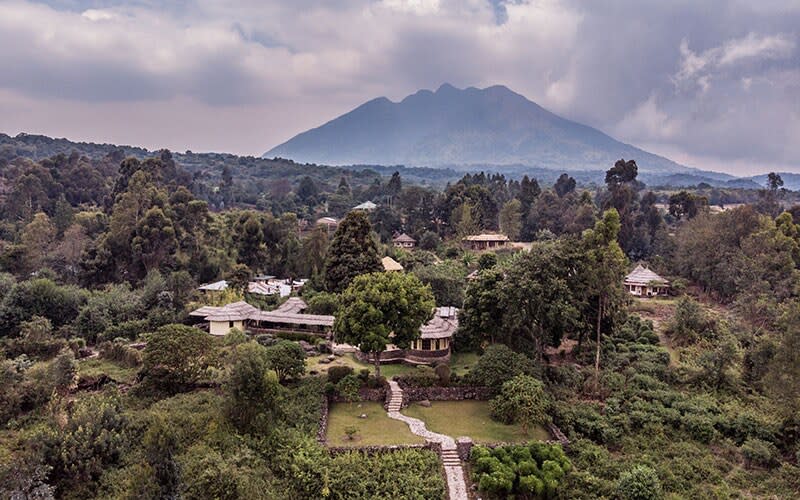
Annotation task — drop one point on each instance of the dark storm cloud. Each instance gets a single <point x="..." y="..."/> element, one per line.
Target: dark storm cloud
<point x="715" y="81"/>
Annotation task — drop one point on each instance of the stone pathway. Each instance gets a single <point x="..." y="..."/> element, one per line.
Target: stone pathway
<point x="452" y="464"/>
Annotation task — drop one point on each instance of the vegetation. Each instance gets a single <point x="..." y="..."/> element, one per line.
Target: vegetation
<point x="527" y="471"/>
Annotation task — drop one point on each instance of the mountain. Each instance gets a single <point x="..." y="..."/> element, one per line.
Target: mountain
<point x="461" y="127"/>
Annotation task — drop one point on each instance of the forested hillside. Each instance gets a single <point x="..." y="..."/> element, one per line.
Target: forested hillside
<point x="109" y="393"/>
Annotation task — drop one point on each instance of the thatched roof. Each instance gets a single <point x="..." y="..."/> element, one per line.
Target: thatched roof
<point x="439" y="328"/>
<point x="643" y="276"/>
<point x="237" y="311"/>
<point x="487" y="237"/>
<point x="217" y="286"/>
<point x="404" y="238"/>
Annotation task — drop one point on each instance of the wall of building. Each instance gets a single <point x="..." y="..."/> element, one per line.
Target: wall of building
<point x="221" y="328"/>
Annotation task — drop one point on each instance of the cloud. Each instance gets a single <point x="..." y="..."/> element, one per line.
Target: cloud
<point x="714" y="79"/>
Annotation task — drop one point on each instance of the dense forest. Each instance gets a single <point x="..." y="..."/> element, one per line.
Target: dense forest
<point x="108" y="393"/>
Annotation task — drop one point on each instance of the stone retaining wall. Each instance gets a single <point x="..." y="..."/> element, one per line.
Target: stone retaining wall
<point x="377" y="450"/>
<point x="323" y="421"/>
<point x="458" y="393"/>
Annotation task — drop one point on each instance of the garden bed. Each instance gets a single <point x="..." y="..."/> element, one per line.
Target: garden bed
<point x="471" y="419"/>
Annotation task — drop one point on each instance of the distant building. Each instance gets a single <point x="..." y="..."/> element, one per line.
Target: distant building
<point x="389" y="264"/>
<point x="217" y="286"/>
<point x="367" y="206"/>
<point x="328" y="223"/>
<point x="404" y="241"/>
<point x="643" y="282"/>
<point x="486" y="241"/>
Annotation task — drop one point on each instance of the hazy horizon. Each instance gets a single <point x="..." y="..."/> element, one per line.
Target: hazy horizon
<point x="713" y="86"/>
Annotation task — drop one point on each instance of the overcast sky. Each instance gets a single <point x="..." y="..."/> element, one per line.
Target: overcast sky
<point x="712" y="84"/>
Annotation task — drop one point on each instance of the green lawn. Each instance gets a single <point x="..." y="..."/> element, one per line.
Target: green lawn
<point x="376" y="429"/>
<point x="96" y="366"/>
<point x="472" y="419"/>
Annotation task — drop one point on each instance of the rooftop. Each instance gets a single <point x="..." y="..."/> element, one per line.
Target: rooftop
<point x="389" y="264"/>
<point x="487" y="237"/>
<point x="642" y="276"/>
<point x="404" y="238"/>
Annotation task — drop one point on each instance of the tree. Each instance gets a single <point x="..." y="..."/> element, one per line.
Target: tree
<point x="307" y="191"/>
<point x="511" y="219"/>
<point x="686" y="204"/>
<point x="177" y="356"/>
<point x="522" y="400"/>
<point x="252" y="250"/>
<point x="639" y="483"/>
<point x="498" y="365"/>
<point x="564" y="185"/>
<point x="351" y="253"/>
<point x="384" y="307"/>
<point x="348" y="387"/>
<point x="605" y="273"/>
<point x="622" y="172"/>
<point x="477" y="321"/>
<point x="154" y="243"/>
<point x="37" y="238"/>
<point x="287" y="359"/>
<point x="251" y="390"/>
<point x="774" y="181"/>
<point x="784" y="374"/>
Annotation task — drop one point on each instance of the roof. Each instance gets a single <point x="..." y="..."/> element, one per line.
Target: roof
<point x="439" y="328"/>
<point x="287" y="313"/>
<point x="217" y="286"/>
<point x="487" y="237"/>
<point x="389" y="264"/>
<point x="643" y="276"/>
<point x="404" y="238"/>
<point x="237" y="311"/>
<point x="327" y="220"/>
<point x="367" y="205"/>
<point x="292" y="305"/>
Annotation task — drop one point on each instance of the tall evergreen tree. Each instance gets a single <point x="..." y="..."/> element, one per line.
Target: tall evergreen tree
<point x="351" y="252"/>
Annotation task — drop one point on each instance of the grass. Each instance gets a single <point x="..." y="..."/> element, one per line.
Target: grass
<point x="96" y="366"/>
<point x="472" y="419"/>
<point x="462" y="362"/>
<point x="376" y="429"/>
<point x="387" y="371"/>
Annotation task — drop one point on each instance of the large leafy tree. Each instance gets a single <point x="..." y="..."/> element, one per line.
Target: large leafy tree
<point x="382" y="308"/>
<point x="352" y="252"/>
<point x="177" y="356"/>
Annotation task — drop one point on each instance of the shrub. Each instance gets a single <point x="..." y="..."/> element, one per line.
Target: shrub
<point x="127" y="329"/>
<point x="690" y="322"/>
<point x="531" y="471"/>
<point x="323" y="303"/>
<point x="760" y="453"/>
<point x="337" y="373"/>
<point x="120" y="353"/>
<point x="422" y="376"/>
<point x="443" y="372"/>
<point x="348" y="388"/>
<point x="522" y="400"/>
<point x="497" y="365"/>
<point x="639" y="483"/>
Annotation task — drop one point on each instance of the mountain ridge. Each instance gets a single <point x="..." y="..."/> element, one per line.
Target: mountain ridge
<point x="452" y="126"/>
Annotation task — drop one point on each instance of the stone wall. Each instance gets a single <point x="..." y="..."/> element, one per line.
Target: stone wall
<point x="364" y="394"/>
<point x="436" y="393"/>
<point x="376" y="450"/>
<point x="323" y="421"/>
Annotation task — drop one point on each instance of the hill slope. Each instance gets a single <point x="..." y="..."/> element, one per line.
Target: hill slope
<point x="455" y="127"/>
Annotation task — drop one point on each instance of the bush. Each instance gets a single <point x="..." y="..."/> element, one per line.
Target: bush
<point x="497" y="365"/>
<point x="422" y="376"/>
<point x="127" y="329"/>
<point x="120" y="353"/>
<point x="522" y="400"/>
<point x="760" y="453"/>
<point x="348" y="388"/>
<point x="323" y="303"/>
<point x="443" y="372"/>
<point x="337" y="373"/>
<point x="639" y="483"/>
<point x="530" y="471"/>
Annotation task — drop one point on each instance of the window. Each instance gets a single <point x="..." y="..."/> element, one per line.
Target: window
<point x="230" y="324"/>
<point x="426" y="344"/>
<point x="437" y="345"/>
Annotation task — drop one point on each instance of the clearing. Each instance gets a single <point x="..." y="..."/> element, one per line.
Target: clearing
<point x="471" y="418"/>
<point x="376" y="429"/>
